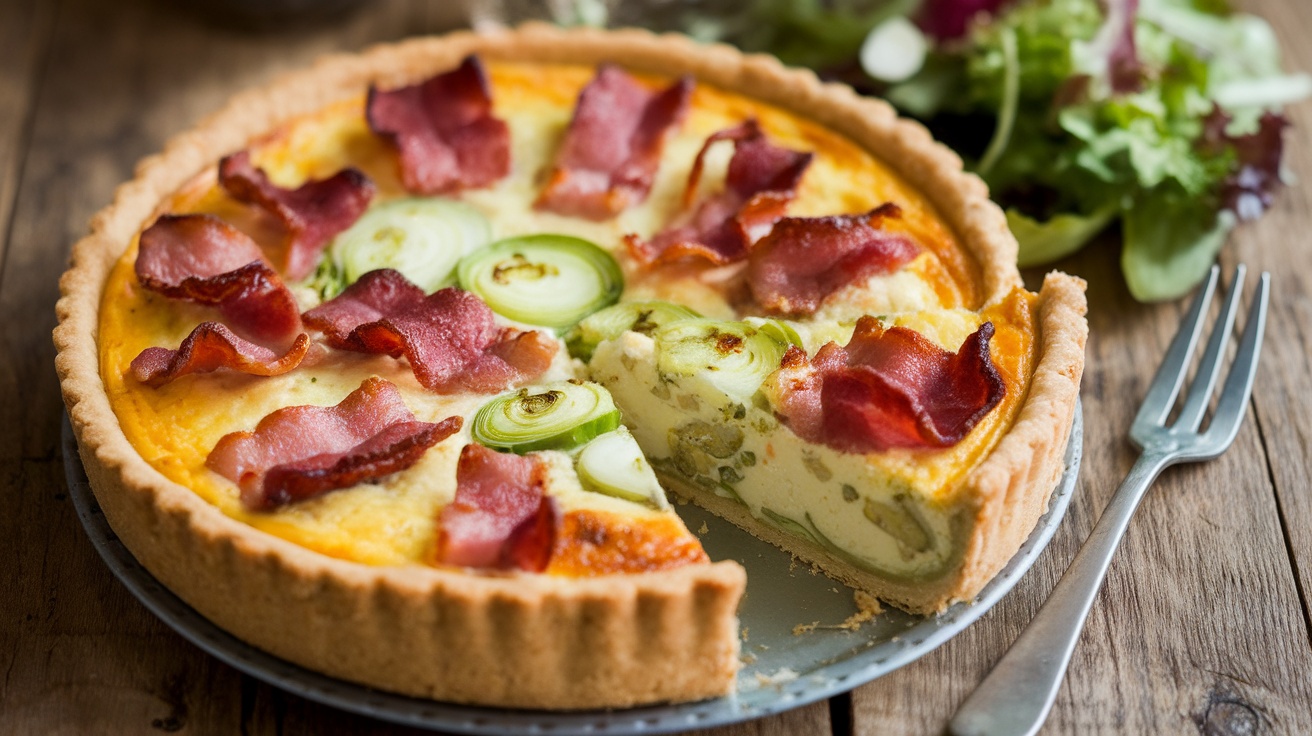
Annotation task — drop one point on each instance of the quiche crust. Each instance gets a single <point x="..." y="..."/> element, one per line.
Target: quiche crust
<point x="522" y="641"/>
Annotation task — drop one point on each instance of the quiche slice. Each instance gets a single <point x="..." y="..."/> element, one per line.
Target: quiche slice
<point x="892" y="514"/>
<point x="373" y="368"/>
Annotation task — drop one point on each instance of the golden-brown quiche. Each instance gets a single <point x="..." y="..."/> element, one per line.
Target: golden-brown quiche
<point x="385" y="367"/>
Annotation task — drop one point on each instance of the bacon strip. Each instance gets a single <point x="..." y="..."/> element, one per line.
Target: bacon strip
<point x="501" y="517"/>
<point x="805" y="259"/>
<point x="762" y="179"/>
<point x="393" y="449"/>
<point x="311" y="214"/>
<point x="613" y="146"/>
<point x="202" y="259"/>
<point x="889" y="388"/>
<point x="450" y="337"/>
<point x="300" y="452"/>
<point x="444" y="130"/>
<point x="212" y="346"/>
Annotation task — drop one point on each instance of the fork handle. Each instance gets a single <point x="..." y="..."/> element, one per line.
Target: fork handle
<point x="1014" y="699"/>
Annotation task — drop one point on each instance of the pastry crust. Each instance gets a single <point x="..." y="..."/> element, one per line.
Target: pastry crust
<point x="520" y="641"/>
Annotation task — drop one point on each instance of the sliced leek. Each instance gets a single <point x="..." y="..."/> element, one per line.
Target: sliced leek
<point x="614" y="465"/>
<point x="423" y="238"/>
<point x="735" y="357"/>
<point x="548" y="280"/>
<point x="554" y="416"/>
<point x="611" y="322"/>
<point x="780" y="330"/>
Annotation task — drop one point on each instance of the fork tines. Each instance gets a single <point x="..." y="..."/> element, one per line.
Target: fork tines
<point x="1150" y="425"/>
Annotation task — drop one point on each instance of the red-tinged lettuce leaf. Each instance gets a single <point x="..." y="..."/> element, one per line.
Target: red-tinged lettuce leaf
<point x="1251" y="187"/>
<point x="950" y="19"/>
<point x="1124" y="70"/>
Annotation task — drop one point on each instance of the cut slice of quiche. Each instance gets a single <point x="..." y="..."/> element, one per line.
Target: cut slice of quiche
<point x="383" y="368"/>
<point x="884" y="495"/>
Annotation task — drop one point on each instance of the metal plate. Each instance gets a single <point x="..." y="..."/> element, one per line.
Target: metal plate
<point x="782" y="670"/>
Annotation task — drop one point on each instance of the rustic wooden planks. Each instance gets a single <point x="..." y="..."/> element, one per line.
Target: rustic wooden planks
<point x="1202" y="626"/>
<point x="83" y="657"/>
<point x="79" y="654"/>
<point x="25" y="29"/>
<point x="1281" y="244"/>
<point x="1199" y="622"/>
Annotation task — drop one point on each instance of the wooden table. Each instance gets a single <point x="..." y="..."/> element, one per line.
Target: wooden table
<point x="1203" y="623"/>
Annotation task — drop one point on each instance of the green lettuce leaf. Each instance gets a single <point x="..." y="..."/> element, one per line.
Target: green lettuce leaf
<point x="1068" y="154"/>
<point x="820" y="34"/>
<point x="1058" y="237"/>
<point x="1170" y="243"/>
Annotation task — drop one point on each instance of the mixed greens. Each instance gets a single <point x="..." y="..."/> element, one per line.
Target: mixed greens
<point x="1162" y="115"/>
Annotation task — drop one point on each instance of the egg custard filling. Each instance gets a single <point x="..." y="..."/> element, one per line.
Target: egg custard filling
<point x="713" y="430"/>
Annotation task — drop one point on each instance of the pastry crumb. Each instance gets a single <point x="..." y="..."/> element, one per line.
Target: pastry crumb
<point x="745" y="633"/>
<point x="867" y="607"/>
<point x="704" y="529"/>
<point x="785" y="674"/>
<point x="763" y="647"/>
<point x="748" y="658"/>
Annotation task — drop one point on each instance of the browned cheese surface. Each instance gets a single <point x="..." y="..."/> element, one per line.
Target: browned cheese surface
<point x="1202" y="626"/>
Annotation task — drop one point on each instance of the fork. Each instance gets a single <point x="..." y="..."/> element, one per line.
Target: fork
<point x="1016" y="696"/>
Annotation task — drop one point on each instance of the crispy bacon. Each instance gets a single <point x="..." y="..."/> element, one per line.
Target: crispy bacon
<point x="202" y="259"/>
<point x="300" y="452"/>
<point x="393" y="449"/>
<point x="613" y="146"/>
<point x="212" y="346"/>
<point x="450" y="337"/>
<point x="889" y="388"/>
<point x="311" y="214"/>
<point x="762" y="179"/>
<point x="805" y="259"/>
<point x="501" y="517"/>
<point x="444" y="130"/>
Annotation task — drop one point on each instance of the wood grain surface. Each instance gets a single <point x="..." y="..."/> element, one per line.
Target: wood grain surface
<point x="1203" y="625"/>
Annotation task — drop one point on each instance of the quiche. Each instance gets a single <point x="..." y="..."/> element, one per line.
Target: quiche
<point x="386" y="368"/>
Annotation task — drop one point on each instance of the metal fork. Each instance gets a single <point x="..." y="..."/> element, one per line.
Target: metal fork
<point x="1016" y="696"/>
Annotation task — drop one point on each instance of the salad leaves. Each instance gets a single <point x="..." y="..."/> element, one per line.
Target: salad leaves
<point x="1159" y="113"/>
